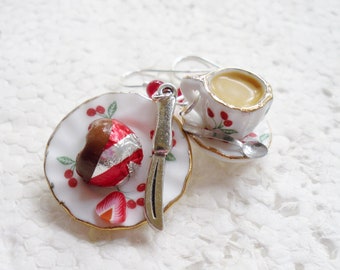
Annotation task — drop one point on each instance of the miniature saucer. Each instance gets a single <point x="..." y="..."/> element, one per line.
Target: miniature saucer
<point x="225" y="151"/>
<point x="80" y="199"/>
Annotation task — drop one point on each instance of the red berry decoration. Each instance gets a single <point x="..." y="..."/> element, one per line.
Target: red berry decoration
<point x="179" y="92"/>
<point x="180" y="98"/>
<point x="152" y="87"/>
<point x="252" y="134"/>
<point x="100" y="109"/>
<point x="152" y="133"/>
<point x="140" y="201"/>
<point x="174" y="142"/>
<point x="91" y="112"/>
<point x="72" y="182"/>
<point x="224" y="115"/>
<point x="141" y="187"/>
<point x="228" y="123"/>
<point x="68" y="174"/>
<point x="131" y="204"/>
<point x="210" y="113"/>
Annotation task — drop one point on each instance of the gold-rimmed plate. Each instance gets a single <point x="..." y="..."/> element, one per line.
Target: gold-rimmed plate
<point x="80" y="199"/>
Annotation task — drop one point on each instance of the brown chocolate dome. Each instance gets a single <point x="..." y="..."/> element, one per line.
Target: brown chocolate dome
<point x="96" y="139"/>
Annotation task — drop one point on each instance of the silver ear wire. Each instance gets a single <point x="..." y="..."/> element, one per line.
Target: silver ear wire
<point x="137" y="78"/>
<point x="127" y="78"/>
<point x="196" y="60"/>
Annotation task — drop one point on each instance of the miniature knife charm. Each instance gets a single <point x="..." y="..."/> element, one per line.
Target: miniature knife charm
<point x="165" y="98"/>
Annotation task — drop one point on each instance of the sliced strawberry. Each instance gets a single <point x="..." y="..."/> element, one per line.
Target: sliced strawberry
<point x="112" y="208"/>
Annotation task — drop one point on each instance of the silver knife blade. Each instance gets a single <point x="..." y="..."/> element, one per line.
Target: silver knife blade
<point x="154" y="193"/>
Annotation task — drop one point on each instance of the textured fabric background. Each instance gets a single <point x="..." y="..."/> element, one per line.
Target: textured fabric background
<point x="279" y="212"/>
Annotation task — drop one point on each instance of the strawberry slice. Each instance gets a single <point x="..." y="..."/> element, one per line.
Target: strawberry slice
<point x="112" y="208"/>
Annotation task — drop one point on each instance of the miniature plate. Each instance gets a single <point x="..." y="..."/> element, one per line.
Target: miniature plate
<point x="80" y="199"/>
<point x="225" y="151"/>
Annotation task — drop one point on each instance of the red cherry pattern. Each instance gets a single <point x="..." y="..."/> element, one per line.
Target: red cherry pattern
<point x="179" y="92"/>
<point x="152" y="133"/>
<point x="100" y="109"/>
<point x="228" y="123"/>
<point x="93" y="111"/>
<point x="68" y="174"/>
<point x="131" y="204"/>
<point x="210" y="113"/>
<point x="224" y="115"/>
<point x="72" y="182"/>
<point x="140" y="201"/>
<point x="174" y="142"/>
<point x="141" y="187"/>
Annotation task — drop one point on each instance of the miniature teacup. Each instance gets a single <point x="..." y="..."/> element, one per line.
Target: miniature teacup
<point x="232" y="100"/>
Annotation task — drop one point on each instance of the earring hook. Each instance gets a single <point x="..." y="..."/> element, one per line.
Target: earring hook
<point x="128" y="76"/>
<point x="209" y="65"/>
<point x="142" y="73"/>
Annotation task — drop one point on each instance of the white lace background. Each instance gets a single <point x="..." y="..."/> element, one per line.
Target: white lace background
<point x="279" y="212"/>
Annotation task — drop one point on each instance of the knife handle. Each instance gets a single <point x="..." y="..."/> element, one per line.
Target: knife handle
<point x="165" y="98"/>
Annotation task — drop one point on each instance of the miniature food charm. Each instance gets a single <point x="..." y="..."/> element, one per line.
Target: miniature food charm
<point x="112" y="208"/>
<point x="111" y="153"/>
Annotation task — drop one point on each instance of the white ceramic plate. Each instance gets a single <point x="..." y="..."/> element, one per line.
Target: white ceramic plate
<point x="80" y="199"/>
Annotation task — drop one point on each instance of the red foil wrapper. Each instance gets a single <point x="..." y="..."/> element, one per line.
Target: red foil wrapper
<point x="111" y="154"/>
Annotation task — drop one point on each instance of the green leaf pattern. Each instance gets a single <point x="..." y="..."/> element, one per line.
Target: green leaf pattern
<point x="170" y="157"/>
<point x="112" y="109"/>
<point x="228" y="131"/>
<point x="66" y="160"/>
<point x="264" y="137"/>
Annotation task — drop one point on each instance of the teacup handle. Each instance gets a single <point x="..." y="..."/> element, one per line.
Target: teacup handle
<point x="190" y="84"/>
<point x="187" y="109"/>
<point x="191" y="88"/>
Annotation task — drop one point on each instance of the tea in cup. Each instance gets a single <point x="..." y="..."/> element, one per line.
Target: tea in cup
<point x="232" y="100"/>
